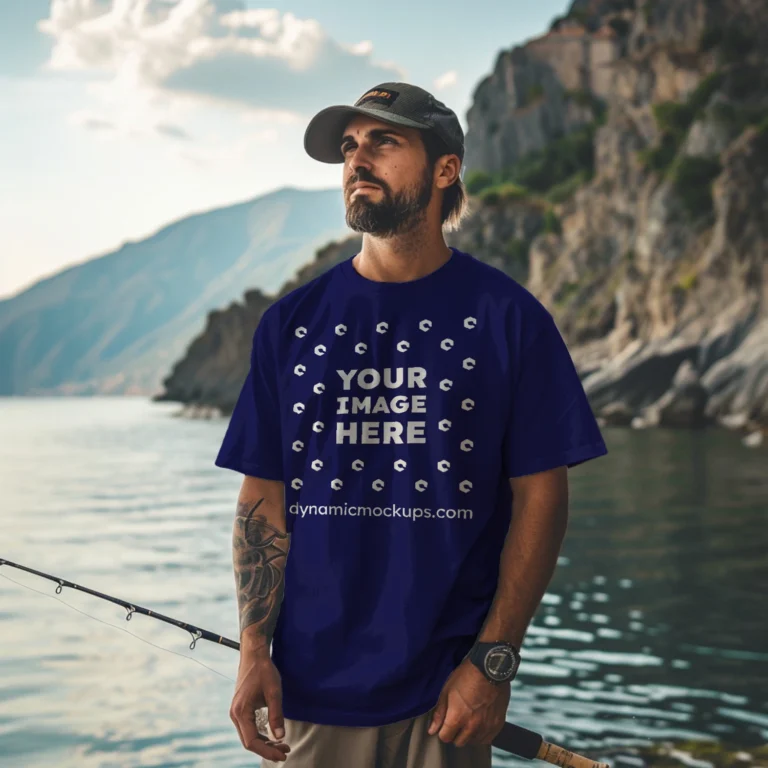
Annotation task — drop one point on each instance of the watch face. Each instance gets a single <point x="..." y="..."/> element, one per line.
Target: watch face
<point x="501" y="663"/>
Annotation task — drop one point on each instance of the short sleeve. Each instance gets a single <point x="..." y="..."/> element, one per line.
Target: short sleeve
<point x="550" y="423"/>
<point x="252" y="443"/>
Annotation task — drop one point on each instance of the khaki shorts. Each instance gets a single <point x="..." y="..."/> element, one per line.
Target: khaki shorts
<point x="404" y="744"/>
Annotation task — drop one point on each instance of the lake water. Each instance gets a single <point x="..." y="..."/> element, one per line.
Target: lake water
<point x="654" y="626"/>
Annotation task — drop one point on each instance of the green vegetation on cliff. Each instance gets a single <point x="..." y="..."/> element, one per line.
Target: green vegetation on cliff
<point x="731" y="41"/>
<point x="692" y="176"/>
<point x="674" y="119"/>
<point x="551" y="174"/>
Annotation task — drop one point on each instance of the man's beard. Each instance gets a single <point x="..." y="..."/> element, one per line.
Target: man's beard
<point x="392" y="215"/>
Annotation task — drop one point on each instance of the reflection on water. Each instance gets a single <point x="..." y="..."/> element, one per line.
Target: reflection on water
<point x="653" y="628"/>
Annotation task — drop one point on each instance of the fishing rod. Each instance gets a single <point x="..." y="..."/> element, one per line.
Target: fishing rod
<point x="512" y="738"/>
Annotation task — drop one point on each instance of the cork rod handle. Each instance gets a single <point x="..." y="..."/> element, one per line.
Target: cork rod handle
<point x="551" y="753"/>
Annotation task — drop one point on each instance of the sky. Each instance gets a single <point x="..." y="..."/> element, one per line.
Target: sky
<point x="118" y="117"/>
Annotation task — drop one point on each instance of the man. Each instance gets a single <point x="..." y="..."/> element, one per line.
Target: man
<point x="405" y="430"/>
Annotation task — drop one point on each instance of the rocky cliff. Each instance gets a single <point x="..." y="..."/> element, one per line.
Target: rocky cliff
<point x="618" y="166"/>
<point x="654" y="266"/>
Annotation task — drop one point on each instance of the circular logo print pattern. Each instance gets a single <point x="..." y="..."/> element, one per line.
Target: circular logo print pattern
<point x="444" y="425"/>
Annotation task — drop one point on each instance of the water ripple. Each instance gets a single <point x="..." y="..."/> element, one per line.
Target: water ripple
<point x="648" y="630"/>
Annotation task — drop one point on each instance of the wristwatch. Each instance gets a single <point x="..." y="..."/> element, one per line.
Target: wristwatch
<point x="498" y="661"/>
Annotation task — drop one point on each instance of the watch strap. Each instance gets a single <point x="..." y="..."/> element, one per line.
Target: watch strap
<point x="477" y="655"/>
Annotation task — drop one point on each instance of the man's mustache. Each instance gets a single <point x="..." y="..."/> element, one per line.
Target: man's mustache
<point x="352" y="182"/>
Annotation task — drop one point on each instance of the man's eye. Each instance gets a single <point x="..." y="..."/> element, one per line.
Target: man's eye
<point x="382" y="138"/>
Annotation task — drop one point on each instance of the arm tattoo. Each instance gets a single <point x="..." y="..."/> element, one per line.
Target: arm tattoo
<point x="259" y="553"/>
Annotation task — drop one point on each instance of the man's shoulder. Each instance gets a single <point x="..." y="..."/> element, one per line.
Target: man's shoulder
<point x="504" y="288"/>
<point x="288" y="301"/>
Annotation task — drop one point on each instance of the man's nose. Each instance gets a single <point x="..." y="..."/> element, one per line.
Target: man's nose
<point x="360" y="157"/>
<point x="360" y="171"/>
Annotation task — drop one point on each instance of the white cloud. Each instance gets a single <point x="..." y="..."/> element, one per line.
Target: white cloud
<point x="359" y="49"/>
<point x="446" y="80"/>
<point x="260" y="59"/>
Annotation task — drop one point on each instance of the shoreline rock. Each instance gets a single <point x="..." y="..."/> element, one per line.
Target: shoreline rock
<point x="687" y="754"/>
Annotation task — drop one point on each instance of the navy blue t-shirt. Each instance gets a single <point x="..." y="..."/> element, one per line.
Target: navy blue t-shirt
<point x="395" y="414"/>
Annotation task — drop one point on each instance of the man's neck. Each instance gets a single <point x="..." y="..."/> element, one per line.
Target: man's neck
<point x="400" y="259"/>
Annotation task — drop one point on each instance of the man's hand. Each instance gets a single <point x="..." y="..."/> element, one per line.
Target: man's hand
<point x="259" y="685"/>
<point x="471" y="709"/>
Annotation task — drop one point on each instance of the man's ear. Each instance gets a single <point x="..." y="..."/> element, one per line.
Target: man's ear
<point x="449" y="167"/>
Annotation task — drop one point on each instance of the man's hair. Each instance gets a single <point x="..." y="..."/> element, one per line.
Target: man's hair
<point x="455" y="201"/>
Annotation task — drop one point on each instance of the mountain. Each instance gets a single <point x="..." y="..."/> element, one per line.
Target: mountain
<point x="617" y="168"/>
<point x="115" y="323"/>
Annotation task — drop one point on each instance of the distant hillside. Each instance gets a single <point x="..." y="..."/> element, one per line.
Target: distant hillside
<point x="114" y="324"/>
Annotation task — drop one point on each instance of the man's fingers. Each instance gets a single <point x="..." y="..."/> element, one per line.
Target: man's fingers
<point x="249" y="734"/>
<point x="473" y="731"/>
<point x="268" y="749"/>
<point x="255" y="742"/>
<point x="449" y="729"/>
<point x="237" y="727"/>
<point x="275" y="709"/>
<point x="465" y="736"/>
<point x="437" y="716"/>
<point x="489" y="734"/>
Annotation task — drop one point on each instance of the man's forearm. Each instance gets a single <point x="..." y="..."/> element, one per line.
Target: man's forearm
<point x="528" y="560"/>
<point x="260" y="550"/>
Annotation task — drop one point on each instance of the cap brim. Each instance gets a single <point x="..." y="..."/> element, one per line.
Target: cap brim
<point x="322" y="139"/>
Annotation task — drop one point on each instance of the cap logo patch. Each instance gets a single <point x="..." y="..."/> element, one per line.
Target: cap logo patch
<point x="379" y="96"/>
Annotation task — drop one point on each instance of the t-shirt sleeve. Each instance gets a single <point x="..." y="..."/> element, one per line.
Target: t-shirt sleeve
<point x="550" y="423"/>
<point x="252" y="443"/>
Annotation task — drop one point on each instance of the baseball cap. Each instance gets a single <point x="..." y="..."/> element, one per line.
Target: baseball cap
<point x="397" y="103"/>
